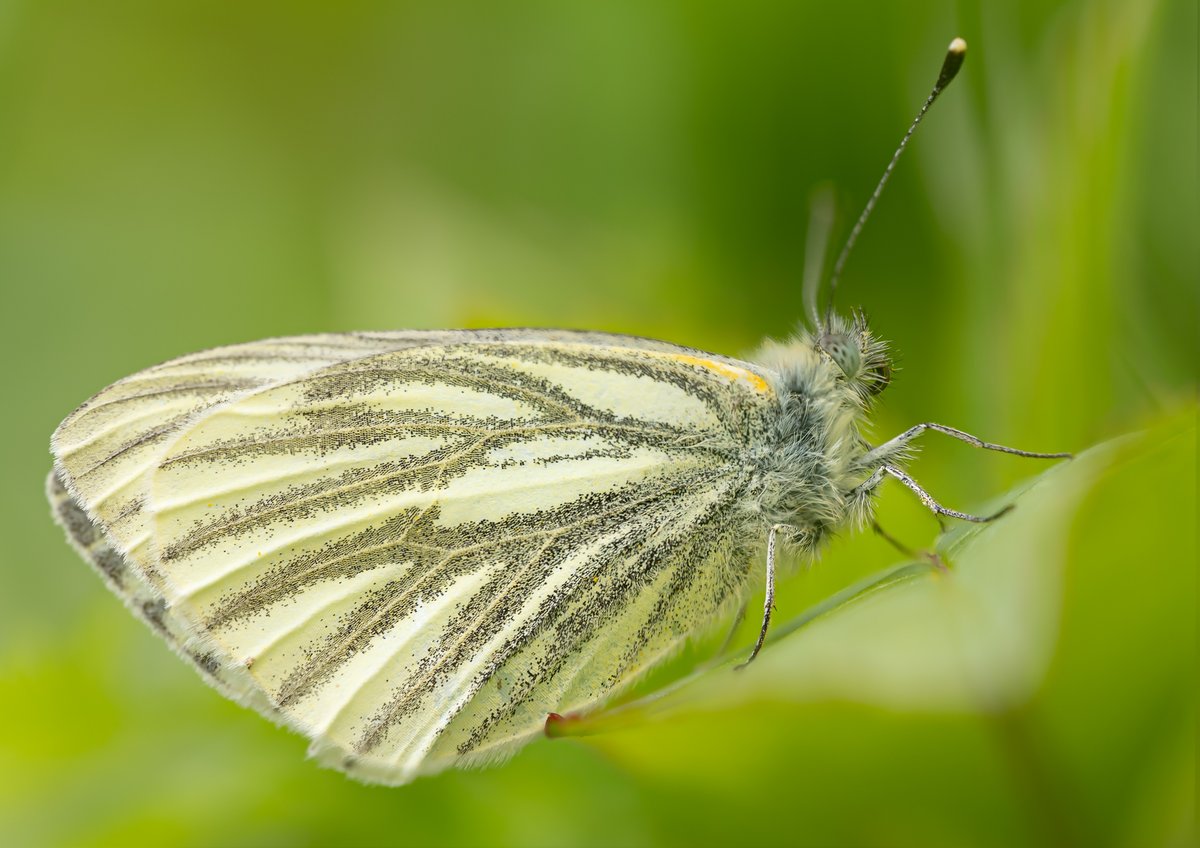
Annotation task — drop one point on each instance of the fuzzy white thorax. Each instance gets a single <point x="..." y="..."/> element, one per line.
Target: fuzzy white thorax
<point x="809" y="471"/>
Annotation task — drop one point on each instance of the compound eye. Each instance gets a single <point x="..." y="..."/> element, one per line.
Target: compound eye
<point x="844" y="351"/>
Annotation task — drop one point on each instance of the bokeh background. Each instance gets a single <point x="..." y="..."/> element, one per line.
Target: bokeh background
<point x="175" y="176"/>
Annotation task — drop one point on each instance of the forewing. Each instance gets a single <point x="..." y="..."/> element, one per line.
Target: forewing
<point x="104" y="449"/>
<point x="413" y="556"/>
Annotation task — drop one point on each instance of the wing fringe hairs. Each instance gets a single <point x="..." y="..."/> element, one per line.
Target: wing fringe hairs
<point x="167" y="480"/>
<point x="126" y="582"/>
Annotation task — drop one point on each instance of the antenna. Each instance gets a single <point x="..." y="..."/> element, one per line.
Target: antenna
<point x="820" y="225"/>
<point x="955" y="55"/>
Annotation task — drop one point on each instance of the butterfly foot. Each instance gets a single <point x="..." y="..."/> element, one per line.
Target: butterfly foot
<point x="1000" y="513"/>
<point x="936" y="561"/>
<point x="558" y="725"/>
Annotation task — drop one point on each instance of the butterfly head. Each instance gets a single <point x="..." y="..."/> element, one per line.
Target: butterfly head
<point x="860" y="356"/>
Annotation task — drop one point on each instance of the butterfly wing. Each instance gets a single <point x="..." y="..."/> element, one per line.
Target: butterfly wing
<point x="413" y="554"/>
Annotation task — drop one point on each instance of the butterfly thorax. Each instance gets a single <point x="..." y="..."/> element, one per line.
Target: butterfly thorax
<point x="809" y="470"/>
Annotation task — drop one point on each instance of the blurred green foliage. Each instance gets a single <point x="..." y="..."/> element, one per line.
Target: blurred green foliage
<point x="175" y="176"/>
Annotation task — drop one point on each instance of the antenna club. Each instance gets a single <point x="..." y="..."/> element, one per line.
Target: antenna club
<point x="955" y="54"/>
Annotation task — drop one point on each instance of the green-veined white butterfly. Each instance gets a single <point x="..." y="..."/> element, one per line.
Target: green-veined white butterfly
<point x="412" y="547"/>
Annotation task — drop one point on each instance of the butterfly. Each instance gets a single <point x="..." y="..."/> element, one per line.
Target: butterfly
<point x="414" y="547"/>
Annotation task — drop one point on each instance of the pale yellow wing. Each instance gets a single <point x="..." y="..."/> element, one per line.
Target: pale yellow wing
<point x="413" y="556"/>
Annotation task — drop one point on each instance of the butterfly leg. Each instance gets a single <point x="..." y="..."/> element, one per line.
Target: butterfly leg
<point x="936" y="508"/>
<point x="932" y="556"/>
<point x="892" y="447"/>
<point x="769" y="599"/>
<point x="737" y="622"/>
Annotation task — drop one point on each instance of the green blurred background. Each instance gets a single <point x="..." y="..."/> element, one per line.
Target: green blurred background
<point x="175" y="176"/>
